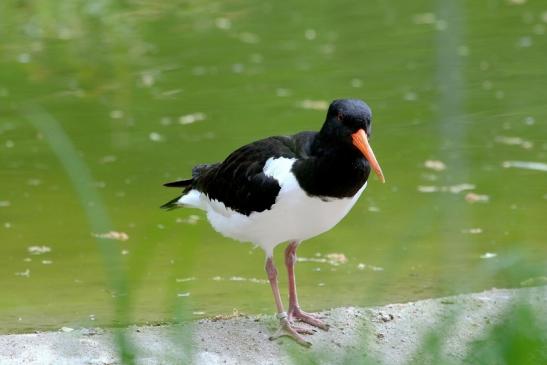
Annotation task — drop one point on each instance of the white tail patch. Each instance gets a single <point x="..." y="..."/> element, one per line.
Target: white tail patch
<point x="192" y="199"/>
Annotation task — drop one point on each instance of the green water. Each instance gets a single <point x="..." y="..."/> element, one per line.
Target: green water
<point x="95" y="99"/>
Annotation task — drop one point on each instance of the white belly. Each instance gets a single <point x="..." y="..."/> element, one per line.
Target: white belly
<point x="294" y="216"/>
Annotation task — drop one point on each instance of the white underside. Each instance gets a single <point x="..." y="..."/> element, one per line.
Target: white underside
<point x="294" y="216"/>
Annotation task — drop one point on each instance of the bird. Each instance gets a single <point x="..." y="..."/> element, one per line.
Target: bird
<point x="287" y="189"/>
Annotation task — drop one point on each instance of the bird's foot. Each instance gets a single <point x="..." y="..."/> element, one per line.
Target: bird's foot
<point x="286" y="329"/>
<point x="297" y="313"/>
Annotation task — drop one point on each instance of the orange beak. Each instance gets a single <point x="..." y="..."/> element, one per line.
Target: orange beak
<point x="360" y="141"/>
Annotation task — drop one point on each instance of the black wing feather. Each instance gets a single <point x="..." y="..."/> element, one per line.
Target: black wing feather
<point x="239" y="181"/>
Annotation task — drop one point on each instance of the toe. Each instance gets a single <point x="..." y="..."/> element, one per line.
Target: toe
<point x="292" y="332"/>
<point x="303" y="331"/>
<point x="311" y="320"/>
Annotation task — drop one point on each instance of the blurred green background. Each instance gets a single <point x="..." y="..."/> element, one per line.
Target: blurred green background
<point x="103" y="101"/>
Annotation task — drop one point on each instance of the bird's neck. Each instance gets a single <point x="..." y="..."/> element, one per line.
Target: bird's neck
<point x="335" y="170"/>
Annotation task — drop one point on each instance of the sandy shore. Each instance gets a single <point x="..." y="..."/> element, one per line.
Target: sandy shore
<point x="390" y="334"/>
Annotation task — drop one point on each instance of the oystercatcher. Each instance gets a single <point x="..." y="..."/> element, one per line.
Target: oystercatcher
<point x="287" y="189"/>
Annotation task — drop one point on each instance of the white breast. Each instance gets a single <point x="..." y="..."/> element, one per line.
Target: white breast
<point x="294" y="216"/>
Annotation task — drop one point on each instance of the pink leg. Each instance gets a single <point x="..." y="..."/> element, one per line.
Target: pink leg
<point x="286" y="328"/>
<point x="294" y="308"/>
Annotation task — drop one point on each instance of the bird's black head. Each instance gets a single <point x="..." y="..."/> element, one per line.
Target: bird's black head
<point x="345" y="117"/>
<point x="349" y="122"/>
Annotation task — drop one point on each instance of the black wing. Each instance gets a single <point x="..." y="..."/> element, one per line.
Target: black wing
<point x="239" y="181"/>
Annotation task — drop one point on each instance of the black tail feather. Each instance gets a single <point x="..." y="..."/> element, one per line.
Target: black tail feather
<point x="172" y="204"/>
<point x="186" y="184"/>
<point x="179" y="183"/>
